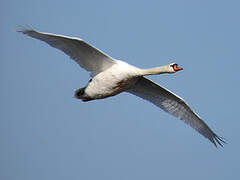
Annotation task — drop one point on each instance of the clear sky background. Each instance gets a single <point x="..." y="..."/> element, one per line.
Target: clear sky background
<point x="47" y="134"/>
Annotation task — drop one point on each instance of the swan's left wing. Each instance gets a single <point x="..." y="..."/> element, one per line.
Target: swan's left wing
<point x="174" y="105"/>
<point x="87" y="56"/>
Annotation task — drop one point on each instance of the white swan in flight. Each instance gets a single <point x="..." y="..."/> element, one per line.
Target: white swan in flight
<point x="111" y="77"/>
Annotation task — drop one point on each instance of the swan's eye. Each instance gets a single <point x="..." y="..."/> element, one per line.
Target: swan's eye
<point x="174" y="65"/>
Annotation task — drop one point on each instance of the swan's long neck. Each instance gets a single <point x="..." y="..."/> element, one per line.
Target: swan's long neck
<point x="156" y="70"/>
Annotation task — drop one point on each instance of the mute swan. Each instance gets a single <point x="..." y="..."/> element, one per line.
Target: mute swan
<point x="111" y="77"/>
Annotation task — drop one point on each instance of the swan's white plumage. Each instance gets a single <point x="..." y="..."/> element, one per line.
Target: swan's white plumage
<point x="111" y="77"/>
<point x="112" y="81"/>
<point x="172" y="104"/>
<point x="87" y="56"/>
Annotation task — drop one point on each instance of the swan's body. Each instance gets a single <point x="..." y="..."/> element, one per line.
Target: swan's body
<point x="111" y="77"/>
<point x="110" y="82"/>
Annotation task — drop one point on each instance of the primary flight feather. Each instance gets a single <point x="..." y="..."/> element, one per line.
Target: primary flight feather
<point x="111" y="77"/>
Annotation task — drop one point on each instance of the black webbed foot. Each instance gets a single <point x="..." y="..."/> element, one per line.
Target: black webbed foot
<point x="79" y="93"/>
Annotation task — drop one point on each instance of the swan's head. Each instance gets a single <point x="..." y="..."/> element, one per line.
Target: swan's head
<point x="173" y="67"/>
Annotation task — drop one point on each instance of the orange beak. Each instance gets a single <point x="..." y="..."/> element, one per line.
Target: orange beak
<point x="177" y="68"/>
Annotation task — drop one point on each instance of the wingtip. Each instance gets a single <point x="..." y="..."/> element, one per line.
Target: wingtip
<point x="24" y="29"/>
<point x="218" y="141"/>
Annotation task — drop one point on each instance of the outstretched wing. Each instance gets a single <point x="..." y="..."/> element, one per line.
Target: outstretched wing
<point x="174" y="105"/>
<point x="87" y="56"/>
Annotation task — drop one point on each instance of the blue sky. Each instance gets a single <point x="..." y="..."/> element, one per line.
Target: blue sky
<point x="47" y="134"/>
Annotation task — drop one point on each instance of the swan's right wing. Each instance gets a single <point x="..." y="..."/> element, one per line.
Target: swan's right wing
<point x="174" y="105"/>
<point x="87" y="56"/>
